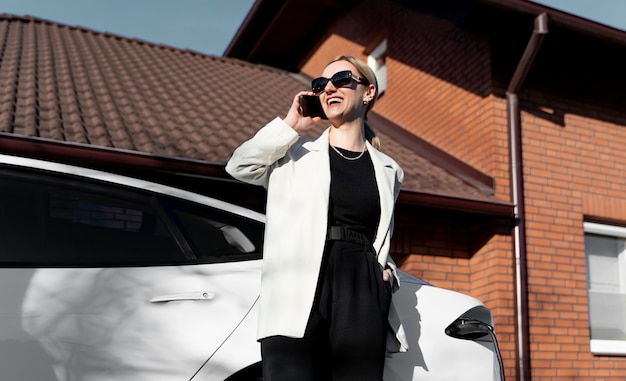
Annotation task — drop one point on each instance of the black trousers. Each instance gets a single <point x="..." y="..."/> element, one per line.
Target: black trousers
<point x="345" y="338"/>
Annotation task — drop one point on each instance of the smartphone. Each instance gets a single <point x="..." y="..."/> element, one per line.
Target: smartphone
<point x="310" y="105"/>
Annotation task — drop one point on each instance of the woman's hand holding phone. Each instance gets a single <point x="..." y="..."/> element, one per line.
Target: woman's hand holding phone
<point x="296" y="117"/>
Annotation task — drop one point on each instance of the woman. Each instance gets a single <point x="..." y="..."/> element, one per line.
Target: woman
<point x="327" y="274"/>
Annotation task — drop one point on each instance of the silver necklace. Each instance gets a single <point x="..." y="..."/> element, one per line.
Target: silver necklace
<point x="348" y="158"/>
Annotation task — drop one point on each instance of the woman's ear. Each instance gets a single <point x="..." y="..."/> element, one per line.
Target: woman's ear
<point x="370" y="93"/>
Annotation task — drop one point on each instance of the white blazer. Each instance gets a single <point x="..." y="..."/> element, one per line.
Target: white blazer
<point x="296" y="172"/>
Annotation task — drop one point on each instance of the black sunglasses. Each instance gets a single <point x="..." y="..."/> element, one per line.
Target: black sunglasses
<point x="339" y="79"/>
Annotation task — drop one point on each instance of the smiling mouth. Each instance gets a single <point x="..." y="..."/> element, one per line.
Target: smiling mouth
<point x="334" y="101"/>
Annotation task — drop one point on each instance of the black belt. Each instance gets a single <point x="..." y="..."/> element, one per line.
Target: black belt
<point x="339" y="233"/>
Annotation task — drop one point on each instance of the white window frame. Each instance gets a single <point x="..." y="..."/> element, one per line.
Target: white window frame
<point x="377" y="62"/>
<point x="606" y="347"/>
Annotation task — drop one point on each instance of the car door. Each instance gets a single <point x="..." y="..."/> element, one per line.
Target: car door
<point x="117" y="280"/>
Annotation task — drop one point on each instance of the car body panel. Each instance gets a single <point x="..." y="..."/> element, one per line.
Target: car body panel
<point x="222" y="363"/>
<point x="194" y="318"/>
<point x="433" y="355"/>
<point x="100" y="323"/>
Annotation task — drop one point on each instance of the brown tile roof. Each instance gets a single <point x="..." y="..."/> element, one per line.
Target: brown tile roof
<point x="71" y="84"/>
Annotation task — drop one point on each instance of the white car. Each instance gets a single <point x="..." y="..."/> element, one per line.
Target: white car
<point x="105" y="277"/>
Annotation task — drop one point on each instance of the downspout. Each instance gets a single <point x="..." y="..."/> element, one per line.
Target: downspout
<point x="517" y="193"/>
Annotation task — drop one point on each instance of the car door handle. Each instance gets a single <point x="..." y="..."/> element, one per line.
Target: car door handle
<point x="196" y="295"/>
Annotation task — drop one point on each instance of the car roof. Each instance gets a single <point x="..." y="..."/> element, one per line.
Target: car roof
<point x="130" y="182"/>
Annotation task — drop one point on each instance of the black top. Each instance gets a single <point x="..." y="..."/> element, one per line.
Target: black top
<point x="354" y="200"/>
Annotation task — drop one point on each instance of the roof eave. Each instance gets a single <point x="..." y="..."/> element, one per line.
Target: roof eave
<point x="121" y="160"/>
<point x="460" y="204"/>
<point x="104" y="157"/>
<point x="268" y="21"/>
<point x="266" y="18"/>
<point x="562" y="19"/>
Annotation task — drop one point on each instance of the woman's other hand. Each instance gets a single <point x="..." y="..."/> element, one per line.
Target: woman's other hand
<point x="387" y="275"/>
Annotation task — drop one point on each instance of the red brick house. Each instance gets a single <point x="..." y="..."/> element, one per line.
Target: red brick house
<point x="507" y="123"/>
<point x="75" y="95"/>
<point x="527" y="95"/>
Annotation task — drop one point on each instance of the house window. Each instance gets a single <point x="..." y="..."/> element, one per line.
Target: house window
<point x="605" y="252"/>
<point x="376" y="61"/>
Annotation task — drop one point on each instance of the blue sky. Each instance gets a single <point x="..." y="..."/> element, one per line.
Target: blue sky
<point x="208" y="26"/>
<point x="608" y="12"/>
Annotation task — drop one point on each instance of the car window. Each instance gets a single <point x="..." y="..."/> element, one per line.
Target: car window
<point x="58" y="220"/>
<point x="217" y="236"/>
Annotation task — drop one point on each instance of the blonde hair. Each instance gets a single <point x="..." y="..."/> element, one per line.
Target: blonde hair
<point x="364" y="71"/>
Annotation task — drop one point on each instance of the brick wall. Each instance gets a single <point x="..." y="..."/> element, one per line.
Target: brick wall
<point x="443" y="86"/>
<point x="573" y="170"/>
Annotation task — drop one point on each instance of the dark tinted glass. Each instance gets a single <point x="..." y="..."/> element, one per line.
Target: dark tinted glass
<point x="57" y="220"/>
<point x="216" y="235"/>
<point x="339" y="79"/>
